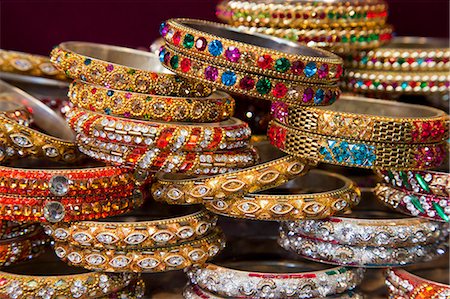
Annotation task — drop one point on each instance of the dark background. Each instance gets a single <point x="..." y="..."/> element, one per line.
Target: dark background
<point x="36" y="26"/>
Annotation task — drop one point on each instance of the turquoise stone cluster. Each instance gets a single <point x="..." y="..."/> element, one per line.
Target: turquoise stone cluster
<point x="349" y="153"/>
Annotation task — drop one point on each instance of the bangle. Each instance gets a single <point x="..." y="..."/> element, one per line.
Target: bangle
<point x="405" y="54"/>
<point x="66" y="194"/>
<point x="360" y="256"/>
<point x="249" y="84"/>
<point x="26" y="281"/>
<point x="131" y="70"/>
<point x="9" y="108"/>
<point x="346" y="152"/>
<point x="262" y="55"/>
<point x="289" y="278"/>
<point x="273" y="171"/>
<point x="18" y="141"/>
<point x="159" y="259"/>
<point x="229" y="134"/>
<point x="338" y="40"/>
<point x="11" y="230"/>
<point x="427" y="182"/>
<point x="303" y="14"/>
<point x="154" y="160"/>
<point x="370" y="228"/>
<point x="217" y="107"/>
<point x="368" y="119"/>
<point x="420" y="205"/>
<point x="134" y="230"/>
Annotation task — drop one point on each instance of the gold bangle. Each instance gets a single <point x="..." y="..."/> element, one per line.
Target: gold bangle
<point x="133" y="231"/>
<point x="356" y="153"/>
<point x="272" y="172"/>
<point x="340" y="41"/>
<point x="303" y="14"/>
<point x="131" y="70"/>
<point x="217" y="107"/>
<point x="249" y="84"/>
<point x="259" y="54"/>
<point x="323" y="200"/>
<point x="159" y="259"/>
<point x="367" y="119"/>
<point x="404" y="54"/>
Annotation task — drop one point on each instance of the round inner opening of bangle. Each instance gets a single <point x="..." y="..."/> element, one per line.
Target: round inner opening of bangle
<point x="44" y="265"/>
<point x="375" y="215"/>
<point x="8" y="105"/>
<point x="417" y="43"/>
<point x="438" y="274"/>
<point x="119" y="55"/>
<point x="254" y="39"/>
<point x="271" y="266"/>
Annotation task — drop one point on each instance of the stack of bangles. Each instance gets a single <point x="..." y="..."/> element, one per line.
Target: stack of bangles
<point x="129" y="111"/>
<point x="366" y="239"/>
<point x="413" y="66"/>
<point x="341" y="26"/>
<point x="135" y="243"/>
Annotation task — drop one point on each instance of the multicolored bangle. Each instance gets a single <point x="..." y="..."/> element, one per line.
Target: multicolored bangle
<point x="159" y="259"/>
<point x="247" y="83"/>
<point x="426" y="182"/>
<point x="130" y="70"/>
<point x="289" y="278"/>
<point x="303" y="14"/>
<point x="367" y="119"/>
<point x="230" y="48"/>
<point x="229" y="134"/>
<point x="217" y="107"/>
<point x="405" y="54"/>
<point x="420" y="205"/>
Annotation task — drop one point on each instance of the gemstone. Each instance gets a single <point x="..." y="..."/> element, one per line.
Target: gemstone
<point x="74" y="257"/>
<point x="185" y="233"/>
<point x="107" y="238"/>
<point x="215" y="47"/>
<point x="440" y="212"/>
<point x="174" y="61"/>
<point x="21" y="140"/>
<point x="54" y="211"/>
<point x="22" y="64"/>
<point x="161" y="56"/>
<point x="163" y="29"/>
<point x="50" y="151"/>
<point x="318" y="98"/>
<point x="247" y="83"/>
<point x="211" y="73"/>
<point x="82" y="238"/>
<point x="95" y="259"/>
<point x="322" y="72"/>
<point x="188" y="41"/>
<point x="416" y="202"/>
<point x="78" y="289"/>
<point x="148" y="263"/>
<point x="308" y="95"/>
<point x="135" y="238"/>
<point x="233" y="54"/>
<point x="310" y="69"/>
<point x="282" y="65"/>
<point x="162" y="237"/>
<point x="174" y="261"/>
<point x="200" y="44"/>
<point x="228" y="78"/>
<point x="119" y="261"/>
<point x="422" y="182"/>
<point x="265" y="62"/>
<point x="280" y="90"/>
<point x="263" y="86"/>
<point x="59" y="185"/>
<point x="279" y="111"/>
<point x="297" y="67"/>
<point x="185" y="65"/>
<point x="176" y="38"/>
<point x="61" y="233"/>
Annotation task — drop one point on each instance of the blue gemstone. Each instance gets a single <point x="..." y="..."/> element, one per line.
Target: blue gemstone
<point x="341" y="152"/>
<point x="325" y="153"/>
<point x="82" y="77"/>
<point x="310" y="69"/>
<point x="318" y="98"/>
<point x="108" y="111"/>
<point x="229" y="78"/>
<point x="161" y="55"/>
<point x="162" y="28"/>
<point x="215" y="48"/>
<point x="363" y="155"/>
<point x="404" y="85"/>
<point x="110" y="93"/>
<point x="359" y="83"/>
<point x="87" y="61"/>
<point x="419" y="61"/>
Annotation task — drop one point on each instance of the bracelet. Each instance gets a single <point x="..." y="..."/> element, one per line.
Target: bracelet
<point x="396" y="82"/>
<point x="9" y="108"/>
<point x="368" y="119"/>
<point x="405" y="54"/>
<point x="289" y="278"/>
<point x="26" y="281"/>
<point x="151" y="260"/>
<point x="229" y="134"/>
<point x="427" y="182"/>
<point x="217" y="107"/>
<point x="131" y="70"/>
<point x="11" y="230"/>
<point x="370" y="228"/>
<point x="262" y="55"/>
<point x="303" y="14"/>
<point x="135" y="230"/>
<point x="419" y="205"/>
<point x="273" y="171"/>
<point x="364" y="154"/>
<point x="337" y="40"/>
<point x="360" y="256"/>
<point x="247" y="83"/>
<point x="154" y="160"/>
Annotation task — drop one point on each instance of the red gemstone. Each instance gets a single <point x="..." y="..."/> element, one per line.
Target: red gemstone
<point x="176" y="38"/>
<point x="410" y="60"/>
<point x="93" y="90"/>
<point x="265" y="61"/>
<point x="297" y="67"/>
<point x="200" y="44"/>
<point x="322" y="72"/>
<point x="438" y="131"/>
<point x="339" y="71"/>
<point x="426" y="131"/>
<point x="165" y="137"/>
<point x="185" y="65"/>
<point x="277" y="136"/>
<point x="280" y="90"/>
<point x="247" y="83"/>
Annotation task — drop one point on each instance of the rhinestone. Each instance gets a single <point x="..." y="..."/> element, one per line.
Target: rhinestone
<point x="185" y="233"/>
<point x="61" y="233"/>
<point x="148" y="263"/>
<point x="54" y="211"/>
<point x="59" y="185"/>
<point x="162" y="237"/>
<point x="119" y="261"/>
<point x="107" y="238"/>
<point x="174" y="261"/>
<point x="74" y="257"/>
<point x="21" y="140"/>
<point x="60" y="252"/>
<point x="82" y="238"/>
<point x="95" y="259"/>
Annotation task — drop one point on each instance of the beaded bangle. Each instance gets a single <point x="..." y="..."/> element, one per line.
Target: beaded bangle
<point x="249" y="84"/>
<point x="422" y="205"/>
<point x="336" y="40"/>
<point x="217" y="107"/>
<point x="272" y="172"/>
<point x="363" y="154"/>
<point x="303" y="14"/>
<point x="229" y="134"/>
<point x="361" y="118"/>
<point x="130" y="70"/>
<point x="262" y="55"/>
<point x="405" y="54"/>
<point x="22" y="248"/>
<point x="159" y="259"/>
<point x="426" y="182"/>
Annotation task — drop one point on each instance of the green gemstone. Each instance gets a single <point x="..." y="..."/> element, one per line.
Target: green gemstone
<point x="353" y="38"/>
<point x="376" y="83"/>
<point x="32" y="284"/>
<point x="404" y="178"/>
<point x="344" y="39"/>
<point x="423" y="84"/>
<point x="365" y="59"/>
<point x="188" y="41"/>
<point x="148" y="99"/>
<point x="343" y="270"/>
<point x="61" y="284"/>
<point x="331" y="272"/>
<point x="174" y="61"/>
<point x="263" y="86"/>
<point x="440" y="211"/>
<point x="330" y="15"/>
<point x="282" y="65"/>
<point x="401" y="60"/>
<point x="390" y="175"/>
<point x="422" y="182"/>
<point x="415" y="201"/>
<point x="131" y="71"/>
